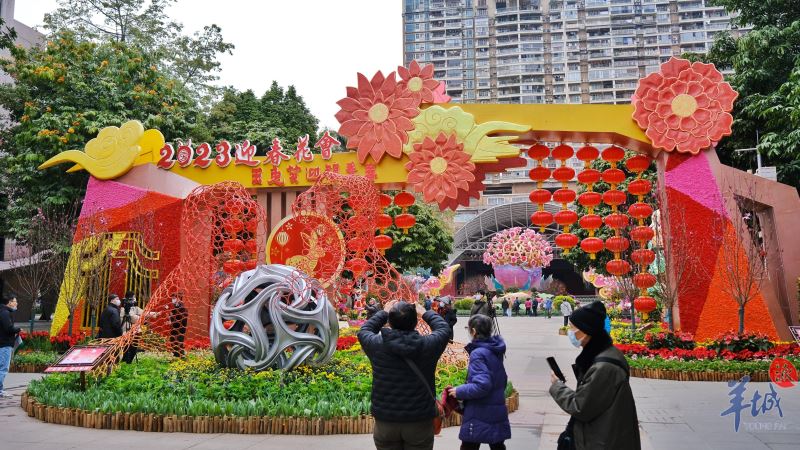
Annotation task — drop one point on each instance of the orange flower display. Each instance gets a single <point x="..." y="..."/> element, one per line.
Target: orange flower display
<point x="684" y="107"/>
<point x="418" y="81"/>
<point x="376" y="116"/>
<point x="440" y="169"/>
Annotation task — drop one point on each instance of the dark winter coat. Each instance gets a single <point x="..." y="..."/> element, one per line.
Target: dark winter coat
<point x="485" y="413"/>
<point x="110" y="323"/>
<point x="602" y="405"/>
<point x="398" y="394"/>
<point x="449" y="315"/>
<point x="479" y="307"/>
<point x="8" y="332"/>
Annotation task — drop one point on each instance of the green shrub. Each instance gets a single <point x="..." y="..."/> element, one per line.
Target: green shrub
<point x="560" y="299"/>
<point x="464" y="304"/>
<point x="37" y="357"/>
<point x="735" y="342"/>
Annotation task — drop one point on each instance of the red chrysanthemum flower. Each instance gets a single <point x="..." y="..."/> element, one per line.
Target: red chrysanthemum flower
<point x="476" y="186"/>
<point x="376" y="117"/>
<point x="684" y="107"/>
<point x="418" y="81"/>
<point x="440" y="169"/>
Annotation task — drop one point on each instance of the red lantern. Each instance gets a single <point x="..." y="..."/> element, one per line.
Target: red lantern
<point x="539" y="174"/>
<point x="564" y="174"/>
<point x="614" y="198"/>
<point x="564" y="196"/>
<point x="566" y="217"/>
<point x="618" y="267"/>
<point x="383" y="221"/>
<point x="587" y="154"/>
<point x="613" y="155"/>
<point x="642" y="234"/>
<point x="233" y="208"/>
<point x="383" y="242"/>
<point x="539" y="152"/>
<point x="616" y="220"/>
<point x="540" y="196"/>
<point x="357" y="244"/>
<point x="405" y="221"/>
<point x="643" y="256"/>
<point x="644" y="280"/>
<point x="233" y="245"/>
<point x="232" y="266"/>
<point x="385" y="200"/>
<point x="562" y="152"/>
<point x="251" y="246"/>
<point x="233" y="226"/>
<point x="567" y="241"/>
<point x="250" y="264"/>
<point x="613" y="176"/>
<point x="252" y="225"/>
<point x="640" y="211"/>
<point x="357" y="266"/>
<point x="592" y="245"/>
<point x="590" y="199"/>
<point x="542" y="219"/>
<point x="645" y="305"/>
<point x="358" y="222"/>
<point x="640" y="187"/>
<point x="404" y="199"/>
<point x="589" y="176"/>
<point x="637" y="164"/>
<point x="617" y="244"/>
<point x="590" y="222"/>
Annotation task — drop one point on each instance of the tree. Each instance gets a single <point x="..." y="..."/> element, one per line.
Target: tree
<point x="676" y="256"/>
<point x="766" y="73"/>
<point x="35" y="257"/>
<point x="61" y="97"/>
<point x="742" y="258"/>
<point x="143" y="24"/>
<point x="278" y="113"/>
<point x="427" y="244"/>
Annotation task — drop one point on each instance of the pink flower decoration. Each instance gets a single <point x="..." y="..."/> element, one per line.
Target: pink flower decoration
<point x="684" y="107"/>
<point x="418" y="81"/>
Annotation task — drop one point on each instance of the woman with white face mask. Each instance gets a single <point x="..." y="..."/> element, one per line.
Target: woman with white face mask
<point x="602" y="409"/>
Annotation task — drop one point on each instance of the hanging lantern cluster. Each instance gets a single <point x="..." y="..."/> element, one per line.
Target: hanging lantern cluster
<point x="590" y="222"/>
<point x="642" y="234"/>
<point x="540" y="196"/>
<point x="566" y="217"/>
<point x="613" y="197"/>
<point x="404" y="220"/>
<point x="239" y="243"/>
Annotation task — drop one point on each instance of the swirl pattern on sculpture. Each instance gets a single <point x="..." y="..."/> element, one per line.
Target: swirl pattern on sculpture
<point x="277" y="317"/>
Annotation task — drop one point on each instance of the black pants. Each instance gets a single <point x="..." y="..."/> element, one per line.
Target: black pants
<point x="566" y="318"/>
<point x="477" y="445"/>
<point x="403" y="436"/>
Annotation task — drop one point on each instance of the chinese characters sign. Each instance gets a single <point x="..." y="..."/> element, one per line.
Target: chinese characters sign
<point x="758" y="405"/>
<point x="80" y="358"/>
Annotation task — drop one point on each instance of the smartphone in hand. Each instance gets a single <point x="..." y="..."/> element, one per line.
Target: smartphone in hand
<point x="554" y="367"/>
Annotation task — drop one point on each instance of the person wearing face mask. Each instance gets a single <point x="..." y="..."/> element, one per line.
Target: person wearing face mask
<point x="602" y="409"/>
<point x="485" y="413"/>
<point x="8" y="336"/>
<point x="110" y="323"/>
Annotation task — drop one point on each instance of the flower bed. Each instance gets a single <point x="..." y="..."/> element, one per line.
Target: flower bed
<point x="196" y="395"/>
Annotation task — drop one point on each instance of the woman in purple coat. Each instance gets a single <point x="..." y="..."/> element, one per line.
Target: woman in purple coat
<point x="485" y="414"/>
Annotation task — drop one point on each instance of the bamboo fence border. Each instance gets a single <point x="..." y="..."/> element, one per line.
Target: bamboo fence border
<point x="27" y="368"/>
<point x="685" y="375"/>
<point x="305" y="426"/>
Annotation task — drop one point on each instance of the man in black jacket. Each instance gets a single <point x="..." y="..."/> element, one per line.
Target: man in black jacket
<point x="402" y="405"/>
<point x="110" y="323"/>
<point x="8" y="335"/>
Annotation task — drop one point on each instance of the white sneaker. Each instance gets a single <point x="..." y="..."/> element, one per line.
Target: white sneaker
<point x="5" y="394"/>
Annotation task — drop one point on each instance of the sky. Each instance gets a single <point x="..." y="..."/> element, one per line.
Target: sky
<point x="316" y="45"/>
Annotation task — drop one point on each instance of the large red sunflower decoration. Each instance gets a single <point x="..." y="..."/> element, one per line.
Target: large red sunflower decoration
<point x="440" y="169"/>
<point x="376" y="117"/>
<point x="685" y="107"/>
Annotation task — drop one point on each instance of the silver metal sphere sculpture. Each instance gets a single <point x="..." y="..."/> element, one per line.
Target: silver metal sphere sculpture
<point x="281" y="319"/>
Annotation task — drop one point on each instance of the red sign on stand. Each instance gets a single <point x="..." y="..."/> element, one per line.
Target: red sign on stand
<point x="81" y="358"/>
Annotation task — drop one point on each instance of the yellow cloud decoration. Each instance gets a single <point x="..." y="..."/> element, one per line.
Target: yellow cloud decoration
<point x="113" y="152"/>
<point x="486" y="142"/>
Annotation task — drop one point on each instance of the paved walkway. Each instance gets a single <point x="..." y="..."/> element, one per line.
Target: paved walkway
<point x="673" y="415"/>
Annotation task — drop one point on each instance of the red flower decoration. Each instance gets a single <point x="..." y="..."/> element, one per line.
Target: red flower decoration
<point x="418" y="81"/>
<point x="376" y="116"/>
<point x="684" y="107"/>
<point x="476" y="186"/>
<point x="440" y="169"/>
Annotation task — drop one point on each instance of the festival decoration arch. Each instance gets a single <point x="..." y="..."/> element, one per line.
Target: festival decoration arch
<point x="442" y="153"/>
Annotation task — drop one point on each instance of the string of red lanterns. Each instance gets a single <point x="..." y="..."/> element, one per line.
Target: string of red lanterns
<point x="616" y="220"/>
<point x="540" y="196"/>
<point x="404" y="220"/>
<point x="642" y="234"/>
<point x="566" y="217"/>
<point x="590" y="222"/>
